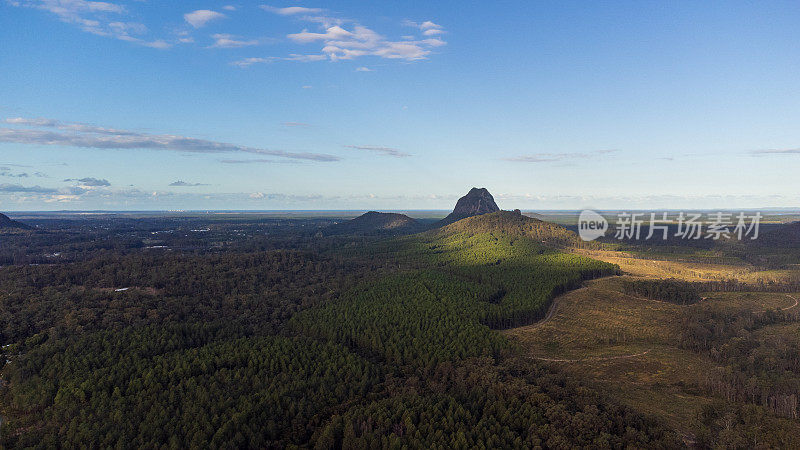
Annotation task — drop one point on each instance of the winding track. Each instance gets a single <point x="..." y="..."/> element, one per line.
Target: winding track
<point x="553" y="307"/>
<point x="551" y="312"/>
<point x="593" y="358"/>
<point x="796" y="302"/>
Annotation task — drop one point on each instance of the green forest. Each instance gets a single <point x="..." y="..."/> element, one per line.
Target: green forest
<point x="278" y="336"/>
<point x="355" y="343"/>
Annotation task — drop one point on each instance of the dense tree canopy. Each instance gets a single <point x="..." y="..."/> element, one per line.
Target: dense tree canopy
<point x="259" y="335"/>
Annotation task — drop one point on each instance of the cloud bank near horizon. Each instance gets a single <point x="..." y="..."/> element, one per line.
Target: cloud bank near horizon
<point x="81" y="135"/>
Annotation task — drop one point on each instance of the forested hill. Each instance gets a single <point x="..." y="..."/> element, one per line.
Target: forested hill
<point x="374" y="222"/>
<point x="7" y="223"/>
<point x="513" y="224"/>
<point x="785" y="235"/>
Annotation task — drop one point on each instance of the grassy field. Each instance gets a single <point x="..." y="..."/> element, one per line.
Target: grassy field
<point x="630" y="346"/>
<point x="692" y="267"/>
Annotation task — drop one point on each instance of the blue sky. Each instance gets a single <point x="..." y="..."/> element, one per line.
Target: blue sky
<point x="404" y="105"/>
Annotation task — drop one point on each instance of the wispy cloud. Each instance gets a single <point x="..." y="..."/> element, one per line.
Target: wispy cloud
<point x="68" y="126"/>
<point x="90" y="182"/>
<point x="180" y="183"/>
<point x="555" y="157"/>
<point x="303" y="58"/>
<point x="258" y="161"/>
<point x="81" y="135"/>
<point x="342" y="42"/>
<point x="387" y="151"/>
<point x="339" y="43"/>
<point x="16" y="188"/>
<point x="99" y="18"/>
<point x="291" y="10"/>
<point x="428" y="28"/>
<point x="160" y="199"/>
<point x="6" y="172"/>
<point x="364" y="69"/>
<point x="337" y="38"/>
<point x="175" y="197"/>
<point x="284" y="197"/>
<point x="201" y="17"/>
<point x="247" y="62"/>
<point x="230" y="41"/>
<point x="785" y="151"/>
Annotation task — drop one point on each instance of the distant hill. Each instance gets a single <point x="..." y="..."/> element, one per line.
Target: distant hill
<point x="514" y="224"/>
<point x="478" y="201"/>
<point x="475" y="213"/>
<point x="375" y="222"/>
<point x="7" y="224"/>
<point x="786" y="235"/>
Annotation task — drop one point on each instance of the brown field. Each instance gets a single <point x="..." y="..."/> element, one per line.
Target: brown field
<point x="691" y="269"/>
<point x="630" y="346"/>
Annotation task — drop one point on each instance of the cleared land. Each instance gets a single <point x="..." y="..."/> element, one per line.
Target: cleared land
<point x="630" y="346"/>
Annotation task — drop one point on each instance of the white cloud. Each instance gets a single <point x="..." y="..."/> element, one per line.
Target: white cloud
<point x="291" y="10"/>
<point x="332" y="33"/>
<point x="428" y="28"/>
<point x="342" y="43"/>
<point x="428" y="25"/>
<point x="337" y="40"/>
<point x="71" y="10"/>
<point x="230" y="41"/>
<point x="89" y="136"/>
<point x="98" y="18"/>
<point x="364" y="69"/>
<point x="339" y="43"/>
<point x="201" y="17"/>
<point x="435" y="42"/>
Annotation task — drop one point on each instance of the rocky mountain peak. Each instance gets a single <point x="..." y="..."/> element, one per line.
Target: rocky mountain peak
<point x="478" y="201"/>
